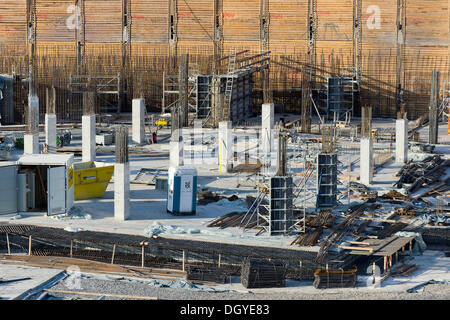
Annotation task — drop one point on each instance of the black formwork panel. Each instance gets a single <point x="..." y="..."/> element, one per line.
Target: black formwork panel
<point x="281" y="211"/>
<point x="326" y="180"/>
<point x="203" y="96"/>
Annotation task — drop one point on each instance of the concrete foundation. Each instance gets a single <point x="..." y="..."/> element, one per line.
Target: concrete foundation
<point x="50" y="132"/>
<point x="366" y="161"/>
<point x="121" y="191"/>
<point x="138" y="121"/>
<point x="401" y="141"/>
<point x="176" y="153"/>
<point x="267" y="125"/>
<point x="31" y="143"/>
<point x="88" y="137"/>
<point x="225" y="146"/>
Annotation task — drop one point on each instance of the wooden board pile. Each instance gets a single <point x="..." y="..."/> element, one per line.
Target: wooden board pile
<point x="326" y="279"/>
<point x="206" y="273"/>
<point x="257" y="273"/>
<point x="423" y="173"/>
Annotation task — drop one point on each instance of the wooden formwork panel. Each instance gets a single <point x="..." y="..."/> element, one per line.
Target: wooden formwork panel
<point x="335" y="20"/>
<point x="288" y="19"/>
<point x="104" y="49"/>
<point x="379" y="80"/>
<point x="150" y="20"/>
<point x="13" y="20"/>
<point x="419" y="64"/>
<point x="379" y="21"/>
<point x="57" y="49"/>
<point x="241" y="20"/>
<point x="252" y="46"/>
<point x="149" y="49"/>
<point x="195" y="20"/>
<point x="195" y="48"/>
<point x="103" y="20"/>
<point x="56" y="21"/>
<point x="294" y="47"/>
<point x="427" y="22"/>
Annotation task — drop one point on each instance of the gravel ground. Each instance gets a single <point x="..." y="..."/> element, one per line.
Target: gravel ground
<point x="431" y="292"/>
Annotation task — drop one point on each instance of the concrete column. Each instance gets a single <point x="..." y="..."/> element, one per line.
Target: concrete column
<point x="50" y="132"/>
<point x="366" y="161"/>
<point x="267" y="125"/>
<point x="88" y="138"/>
<point x="31" y="143"/>
<point x="31" y="138"/>
<point x="225" y="146"/>
<point x="401" y="141"/>
<point x="138" y="121"/>
<point x="176" y="153"/>
<point x="122" y="191"/>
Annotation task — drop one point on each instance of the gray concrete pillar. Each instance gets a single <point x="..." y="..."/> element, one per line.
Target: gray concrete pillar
<point x="176" y="153"/>
<point x="138" y="121"/>
<point x="366" y="161"/>
<point x="31" y="138"/>
<point x="267" y="125"/>
<point x="401" y="141"/>
<point x="31" y="143"/>
<point x="121" y="191"/>
<point x="50" y="132"/>
<point x="88" y="138"/>
<point x="225" y="146"/>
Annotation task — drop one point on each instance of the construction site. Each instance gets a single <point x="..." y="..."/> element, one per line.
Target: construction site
<point x="224" y="149"/>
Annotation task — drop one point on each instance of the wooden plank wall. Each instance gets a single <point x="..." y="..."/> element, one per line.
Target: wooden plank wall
<point x="426" y="43"/>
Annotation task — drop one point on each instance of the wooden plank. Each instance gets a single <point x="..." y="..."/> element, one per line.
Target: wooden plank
<point x="85" y="293"/>
<point x="356" y="248"/>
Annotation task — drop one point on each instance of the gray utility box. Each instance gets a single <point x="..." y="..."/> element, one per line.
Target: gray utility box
<point x="6" y="99"/>
<point x="38" y="183"/>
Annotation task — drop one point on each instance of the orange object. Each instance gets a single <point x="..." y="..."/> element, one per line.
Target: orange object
<point x="449" y="121"/>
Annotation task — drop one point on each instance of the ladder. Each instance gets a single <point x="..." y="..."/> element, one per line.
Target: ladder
<point x="253" y="208"/>
<point x="229" y="85"/>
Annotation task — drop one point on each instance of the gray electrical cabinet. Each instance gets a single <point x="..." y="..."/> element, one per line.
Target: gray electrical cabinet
<point x="8" y="188"/>
<point x="39" y="183"/>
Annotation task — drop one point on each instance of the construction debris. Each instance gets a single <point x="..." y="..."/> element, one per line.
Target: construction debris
<point x="418" y="174"/>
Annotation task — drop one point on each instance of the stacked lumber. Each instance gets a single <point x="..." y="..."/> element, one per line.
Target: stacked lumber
<point x="326" y="279"/>
<point x="257" y="273"/>
<point x="206" y="273"/>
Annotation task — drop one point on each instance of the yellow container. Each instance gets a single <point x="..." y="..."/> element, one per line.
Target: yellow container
<point x="91" y="179"/>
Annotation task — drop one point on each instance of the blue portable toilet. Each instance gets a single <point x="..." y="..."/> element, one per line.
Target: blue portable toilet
<point x="182" y="191"/>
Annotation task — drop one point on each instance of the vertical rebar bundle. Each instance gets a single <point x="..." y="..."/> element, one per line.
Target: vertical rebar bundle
<point x="366" y="121"/>
<point x="51" y="100"/>
<point x="121" y="144"/>
<point x="89" y="99"/>
<point x="32" y="116"/>
<point x="433" y="110"/>
<point x="328" y="139"/>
